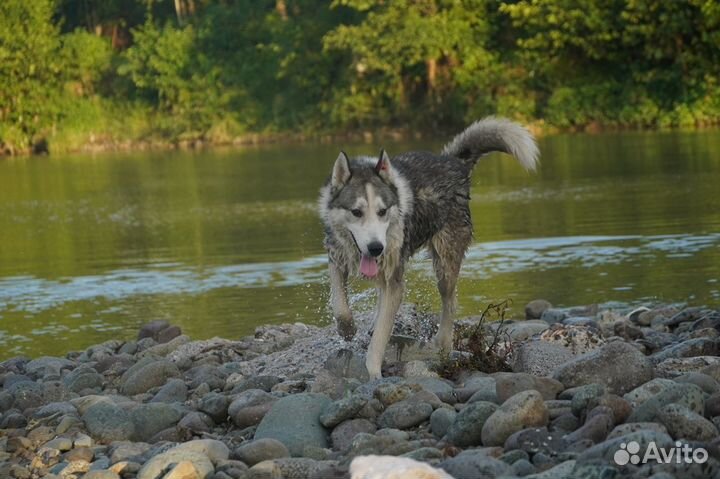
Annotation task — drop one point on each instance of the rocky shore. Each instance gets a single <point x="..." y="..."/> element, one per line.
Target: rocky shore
<point x="587" y="394"/>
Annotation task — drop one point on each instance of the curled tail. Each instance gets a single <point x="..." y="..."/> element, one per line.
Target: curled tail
<point x="494" y="134"/>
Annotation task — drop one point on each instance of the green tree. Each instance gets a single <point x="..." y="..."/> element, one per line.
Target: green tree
<point x="409" y="56"/>
<point x="30" y="71"/>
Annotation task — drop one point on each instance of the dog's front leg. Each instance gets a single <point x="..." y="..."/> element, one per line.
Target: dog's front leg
<point x="390" y="297"/>
<point x="339" y="301"/>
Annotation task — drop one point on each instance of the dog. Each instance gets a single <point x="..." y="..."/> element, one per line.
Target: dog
<point x="378" y="212"/>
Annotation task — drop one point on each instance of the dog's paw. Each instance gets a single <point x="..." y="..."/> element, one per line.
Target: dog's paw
<point x="442" y="342"/>
<point x="346" y="328"/>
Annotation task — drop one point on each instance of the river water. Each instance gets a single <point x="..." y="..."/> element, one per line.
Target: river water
<point x="222" y="241"/>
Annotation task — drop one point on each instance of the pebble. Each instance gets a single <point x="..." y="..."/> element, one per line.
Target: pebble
<point x="344" y="433"/>
<point x="341" y="410"/>
<point x="466" y="430"/>
<point x="153" y="374"/>
<point x="260" y="450"/>
<point x="524" y="409"/>
<point x="405" y="414"/>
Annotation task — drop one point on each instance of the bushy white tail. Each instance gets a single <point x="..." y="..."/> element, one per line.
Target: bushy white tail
<point x="494" y="134"/>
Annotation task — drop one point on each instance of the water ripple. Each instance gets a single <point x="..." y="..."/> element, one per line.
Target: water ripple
<point x="484" y="260"/>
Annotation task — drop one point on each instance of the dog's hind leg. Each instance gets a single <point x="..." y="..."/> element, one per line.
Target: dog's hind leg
<point x="390" y="297"/>
<point x="339" y="300"/>
<point x="448" y="248"/>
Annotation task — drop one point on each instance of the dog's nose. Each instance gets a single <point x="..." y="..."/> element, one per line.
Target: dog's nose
<point x="375" y="248"/>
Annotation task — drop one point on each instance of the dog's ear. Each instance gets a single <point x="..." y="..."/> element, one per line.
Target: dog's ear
<point x="382" y="167"/>
<point x="341" y="170"/>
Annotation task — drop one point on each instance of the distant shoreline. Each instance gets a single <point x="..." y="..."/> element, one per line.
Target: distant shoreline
<point x="105" y="143"/>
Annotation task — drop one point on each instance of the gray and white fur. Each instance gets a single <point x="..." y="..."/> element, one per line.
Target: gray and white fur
<point x="378" y="212"/>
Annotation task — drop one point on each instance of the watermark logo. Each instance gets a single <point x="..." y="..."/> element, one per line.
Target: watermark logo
<point x="680" y="454"/>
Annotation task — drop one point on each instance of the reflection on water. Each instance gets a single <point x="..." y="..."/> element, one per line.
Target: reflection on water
<point x="220" y="242"/>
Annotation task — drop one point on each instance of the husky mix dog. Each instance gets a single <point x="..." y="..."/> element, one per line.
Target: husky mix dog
<point x="379" y="211"/>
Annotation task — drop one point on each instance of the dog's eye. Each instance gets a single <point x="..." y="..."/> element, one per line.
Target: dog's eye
<point x="382" y="212"/>
<point x="356" y="213"/>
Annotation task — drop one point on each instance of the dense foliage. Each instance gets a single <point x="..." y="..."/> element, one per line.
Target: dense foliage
<point x="79" y="71"/>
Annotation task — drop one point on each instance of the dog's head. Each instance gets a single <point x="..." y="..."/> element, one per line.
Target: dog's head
<point x="364" y="201"/>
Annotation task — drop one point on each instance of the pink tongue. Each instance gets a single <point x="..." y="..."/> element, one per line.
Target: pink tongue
<point x="368" y="266"/>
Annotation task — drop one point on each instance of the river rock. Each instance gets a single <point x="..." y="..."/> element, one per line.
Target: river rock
<point x="466" y="430"/>
<point x="644" y="392"/>
<point x="249" y="407"/>
<point x="343" y="435"/>
<point x="174" y="390"/>
<point x="346" y="363"/>
<point x="534" y="309"/>
<point x="107" y="422"/>
<point x="100" y="474"/>
<point x="540" y="358"/>
<point x="215" y="405"/>
<point x="595" y="429"/>
<point x="154" y="468"/>
<point x="264" y="383"/>
<point x="509" y="384"/>
<point x="291" y="468"/>
<point x="553" y="316"/>
<point x="474" y="464"/>
<point x="689" y="348"/>
<point x="260" y="450"/>
<point x="522" y="330"/>
<point x="82" y="378"/>
<point x="153" y="374"/>
<point x="617" y="365"/>
<point x="151" y="418"/>
<point x="213" y="377"/>
<point x="524" y="409"/>
<point x="183" y="470"/>
<point x="688" y="395"/>
<point x="577" y="339"/>
<point x="681" y="422"/>
<point x="295" y="421"/>
<point x="393" y="467"/>
<point x="442" y="388"/>
<point x="405" y="414"/>
<point x="48" y="366"/>
<point x="440" y="421"/>
<point x="55" y="408"/>
<point x="536" y="440"/>
<point x="674" y="367"/>
<point x="707" y="383"/>
<point x="606" y="450"/>
<point x="628" y="427"/>
<point x="341" y="410"/>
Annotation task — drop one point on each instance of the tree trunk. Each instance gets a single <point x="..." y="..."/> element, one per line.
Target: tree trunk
<point x="180" y="11"/>
<point x="281" y="8"/>
<point x="431" y="66"/>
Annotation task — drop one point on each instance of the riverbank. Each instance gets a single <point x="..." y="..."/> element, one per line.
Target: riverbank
<point x="294" y="401"/>
<point x="141" y="135"/>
